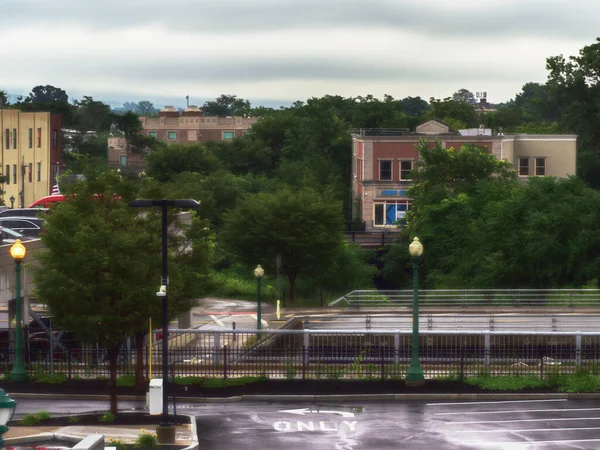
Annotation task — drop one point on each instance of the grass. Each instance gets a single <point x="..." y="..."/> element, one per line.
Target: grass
<point x="126" y="381"/>
<point x="493" y="383"/>
<point x="34" y="418"/>
<point x="212" y="383"/>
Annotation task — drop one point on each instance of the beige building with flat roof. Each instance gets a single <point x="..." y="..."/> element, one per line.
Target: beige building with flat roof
<point x="30" y="150"/>
<point x="381" y="164"/>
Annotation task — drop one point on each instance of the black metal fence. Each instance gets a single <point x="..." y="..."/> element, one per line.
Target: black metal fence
<point x="303" y="354"/>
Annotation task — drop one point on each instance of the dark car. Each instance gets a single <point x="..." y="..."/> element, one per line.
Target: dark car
<point x="23" y="212"/>
<point x="29" y="226"/>
<point x="8" y="236"/>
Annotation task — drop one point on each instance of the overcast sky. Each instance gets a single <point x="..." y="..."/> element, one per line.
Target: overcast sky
<point x="286" y="50"/>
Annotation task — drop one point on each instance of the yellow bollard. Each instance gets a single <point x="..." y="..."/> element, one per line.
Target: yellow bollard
<point x="278" y="309"/>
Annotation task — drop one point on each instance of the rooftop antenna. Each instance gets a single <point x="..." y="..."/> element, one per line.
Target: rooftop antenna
<point x="187" y="98"/>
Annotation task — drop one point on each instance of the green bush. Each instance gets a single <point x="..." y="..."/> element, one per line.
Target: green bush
<point x="46" y="378"/>
<point x="189" y="380"/>
<point x="146" y="440"/>
<point x="126" y="381"/>
<point x="44" y="415"/>
<point x="501" y="383"/>
<point x="212" y="383"/>
<point x="30" y="420"/>
<point x="577" y="382"/>
<point x="107" y="418"/>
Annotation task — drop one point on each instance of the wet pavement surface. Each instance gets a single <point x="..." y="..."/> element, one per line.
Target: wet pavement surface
<point x="522" y="424"/>
<point x="540" y="424"/>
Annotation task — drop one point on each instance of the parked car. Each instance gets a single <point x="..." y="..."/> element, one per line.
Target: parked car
<point x="9" y="236"/>
<point x="46" y="202"/>
<point x="29" y="226"/>
<point x="23" y="212"/>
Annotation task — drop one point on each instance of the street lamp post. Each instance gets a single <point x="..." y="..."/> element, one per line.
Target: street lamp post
<point x="12" y="201"/>
<point x="258" y="273"/>
<point x="414" y="375"/>
<point x="18" y="251"/>
<point x="7" y="411"/>
<point x="166" y="430"/>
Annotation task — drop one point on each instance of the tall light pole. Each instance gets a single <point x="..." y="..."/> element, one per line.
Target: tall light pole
<point x="18" y="251"/>
<point x="166" y="430"/>
<point x="7" y="411"/>
<point x="414" y="375"/>
<point x="258" y="273"/>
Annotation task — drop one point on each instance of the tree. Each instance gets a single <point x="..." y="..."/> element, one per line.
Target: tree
<point x="227" y="105"/>
<point x="3" y="99"/>
<point x="130" y="106"/>
<point x="574" y="89"/>
<point x="146" y="108"/>
<point x="101" y="267"/>
<point x="167" y="161"/>
<point x="450" y="110"/>
<point x="47" y="94"/>
<point x="463" y="95"/>
<point x="129" y="124"/>
<point x="414" y="106"/>
<point x="302" y="226"/>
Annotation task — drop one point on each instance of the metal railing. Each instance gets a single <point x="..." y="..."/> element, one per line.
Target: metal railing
<point x="337" y="354"/>
<point x="372" y="238"/>
<point x="473" y="297"/>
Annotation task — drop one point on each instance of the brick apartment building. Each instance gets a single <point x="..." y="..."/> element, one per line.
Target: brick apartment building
<point x="382" y="161"/>
<point x="30" y="151"/>
<point x="189" y="126"/>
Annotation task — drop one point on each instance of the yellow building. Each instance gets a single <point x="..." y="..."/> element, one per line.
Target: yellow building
<point x="30" y="149"/>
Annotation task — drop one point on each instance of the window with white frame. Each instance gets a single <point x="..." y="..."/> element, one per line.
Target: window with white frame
<point x="386" y="214"/>
<point x="385" y="170"/>
<point x="540" y="167"/>
<point x="523" y="167"/>
<point x="406" y="168"/>
<point x="172" y="135"/>
<point x="228" y="135"/>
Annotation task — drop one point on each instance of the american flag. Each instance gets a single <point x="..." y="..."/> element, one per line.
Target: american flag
<point x="55" y="189"/>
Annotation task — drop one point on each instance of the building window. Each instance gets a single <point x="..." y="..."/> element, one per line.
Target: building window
<point x="406" y="168"/>
<point x="385" y="170"/>
<point x="14" y="174"/>
<point x="14" y="138"/>
<point x="7" y="174"/>
<point x="30" y="172"/>
<point x="123" y="160"/>
<point x="31" y="138"/>
<point x="39" y="137"/>
<point x="387" y="214"/>
<point x="540" y="167"/>
<point x="228" y="135"/>
<point x="152" y="134"/>
<point x="172" y="135"/>
<point x="7" y="135"/>
<point x="39" y="171"/>
<point x="54" y="138"/>
<point x="523" y="167"/>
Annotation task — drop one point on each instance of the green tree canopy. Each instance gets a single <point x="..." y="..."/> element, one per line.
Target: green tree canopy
<point x="300" y="225"/>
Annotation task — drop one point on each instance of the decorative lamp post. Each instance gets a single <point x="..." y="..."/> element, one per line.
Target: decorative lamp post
<point x="12" y="201"/>
<point x="7" y="411"/>
<point x="258" y="273"/>
<point x="18" y="251"/>
<point x="22" y="197"/>
<point x="414" y="375"/>
<point x="166" y="430"/>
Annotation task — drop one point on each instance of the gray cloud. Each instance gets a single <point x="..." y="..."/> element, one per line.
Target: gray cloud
<point x="552" y="18"/>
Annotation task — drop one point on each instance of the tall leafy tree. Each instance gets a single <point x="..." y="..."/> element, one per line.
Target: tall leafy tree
<point x="227" y="105"/>
<point x="302" y="226"/>
<point x="463" y="95"/>
<point x="47" y="94"/>
<point x="101" y="266"/>
<point x="166" y="161"/>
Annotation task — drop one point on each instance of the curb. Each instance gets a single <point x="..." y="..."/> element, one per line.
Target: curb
<point x="331" y="397"/>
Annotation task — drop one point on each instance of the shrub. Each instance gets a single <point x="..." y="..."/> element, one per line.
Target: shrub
<point x="107" y="418"/>
<point x="119" y="444"/>
<point x="146" y="440"/>
<point x="506" y="383"/>
<point x="74" y="419"/>
<point x="43" y="415"/>
<point x="47" y="378"/>
<point x="30" y="420"/>
<point x="126" y="381"/>
<point x="189" y="380"/>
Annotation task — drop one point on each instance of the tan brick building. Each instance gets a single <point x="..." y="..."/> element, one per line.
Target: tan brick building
<point x="30" y="150"/>
<point x="381" y="164"/>
<point x="188" y="127"/>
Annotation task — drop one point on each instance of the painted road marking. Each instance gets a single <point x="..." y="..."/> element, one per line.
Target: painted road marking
<point x="528" y="430"/>
<point x="533" y="443"/>
<point x="304" y="411"/>
<point x="517" y="411"/>
<point x="263" y="321"/>
<point x="287" y="426"/>
<point x="217" y="320"/>
<point x="493" y="403"/>
<point x="527" y="420"/>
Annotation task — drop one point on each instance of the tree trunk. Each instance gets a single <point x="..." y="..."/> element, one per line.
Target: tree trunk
<point x="113" y="354"/>
<point x="140" y="380"/>
<point x="292" y="279"/>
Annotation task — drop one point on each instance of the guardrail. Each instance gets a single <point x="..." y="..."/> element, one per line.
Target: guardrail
<point x="472" y="297"/>
<point x="372" y="238"/>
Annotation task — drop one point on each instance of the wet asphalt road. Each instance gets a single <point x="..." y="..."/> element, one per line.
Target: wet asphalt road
<point x="526" y="424"/>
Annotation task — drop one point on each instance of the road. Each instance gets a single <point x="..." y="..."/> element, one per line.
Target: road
<point x="525" y="424"/>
